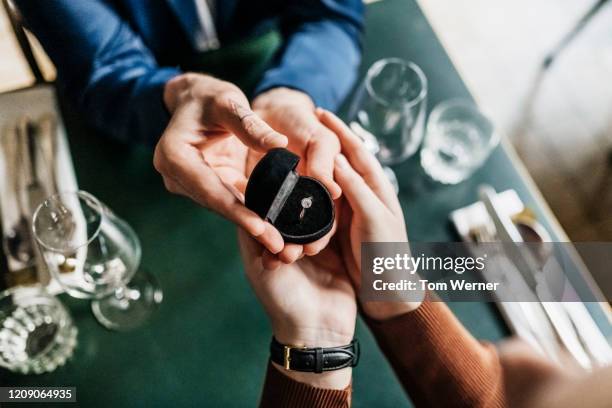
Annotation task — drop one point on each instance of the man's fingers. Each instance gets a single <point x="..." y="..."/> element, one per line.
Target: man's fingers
<point x="269" y="261"/>
<point x="268" y="236"/>
<point x="290" y="253"/>
<point x="250" y="248"/>
<point x="190" y="173"/>
<point x="321" y="152"/>
<point x="362" y="199"/>
<point x="249" y="127"/>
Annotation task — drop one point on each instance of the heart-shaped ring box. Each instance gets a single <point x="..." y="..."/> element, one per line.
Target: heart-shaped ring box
<point x="300" y="207"/>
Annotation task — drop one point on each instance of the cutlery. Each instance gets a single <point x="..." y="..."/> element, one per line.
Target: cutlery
<point x="19" y="240"/>
<point x="528" y="268"/>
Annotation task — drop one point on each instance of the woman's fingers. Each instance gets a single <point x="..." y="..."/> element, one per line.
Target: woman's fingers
<point x="360" y="196"/>
<point x="360" y="158"/>
<point x="320" y="154"/>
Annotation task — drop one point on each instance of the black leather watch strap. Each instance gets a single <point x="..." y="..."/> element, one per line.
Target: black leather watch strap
<point x="315" y="359"/>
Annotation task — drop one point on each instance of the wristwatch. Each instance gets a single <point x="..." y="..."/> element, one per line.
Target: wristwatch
<point x="315" y="359"/>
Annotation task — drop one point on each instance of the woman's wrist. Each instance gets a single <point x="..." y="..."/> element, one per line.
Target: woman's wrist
<point x="315" y="337"/>
<point x="312" y="337"/>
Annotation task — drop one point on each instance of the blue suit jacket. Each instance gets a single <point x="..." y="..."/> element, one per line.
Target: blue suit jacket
<point x="114" y="56"/>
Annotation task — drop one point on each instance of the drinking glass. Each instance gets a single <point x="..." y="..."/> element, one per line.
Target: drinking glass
<point x="94" y="254"/>
<point x="36" y="331"/>
<point x="389" y="109"/>
<point x="459" y="139"/>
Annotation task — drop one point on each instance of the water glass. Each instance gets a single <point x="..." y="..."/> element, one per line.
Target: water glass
<point x="459" y="139"/>
<point x="389" y="109"/>
<point x="36" y="331"/>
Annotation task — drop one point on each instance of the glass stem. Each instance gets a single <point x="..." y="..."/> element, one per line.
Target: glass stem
<point x="123" y="296"/>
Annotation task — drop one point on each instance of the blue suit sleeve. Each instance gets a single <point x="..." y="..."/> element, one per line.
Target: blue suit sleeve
<point x="321" y="51"/>
<point x="103" y="66"/>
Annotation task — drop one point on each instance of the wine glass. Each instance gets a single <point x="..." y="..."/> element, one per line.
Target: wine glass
<point x="94" y="254"/>
<point x="388" y="111"/>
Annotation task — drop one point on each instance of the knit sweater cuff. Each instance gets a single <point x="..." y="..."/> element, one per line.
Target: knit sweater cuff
<point x="282" y="391"/>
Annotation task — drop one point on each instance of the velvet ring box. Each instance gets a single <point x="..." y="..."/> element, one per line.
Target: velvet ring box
<point x="300" y="207"/>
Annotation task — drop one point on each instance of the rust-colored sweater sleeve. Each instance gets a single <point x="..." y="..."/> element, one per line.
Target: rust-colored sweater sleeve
<point x="438" y="361"/>
<point x="282" y="391"/>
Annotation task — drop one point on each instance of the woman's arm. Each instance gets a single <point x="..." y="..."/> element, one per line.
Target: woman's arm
<point x="438" y="361"/>
<point x="281" y="390"/>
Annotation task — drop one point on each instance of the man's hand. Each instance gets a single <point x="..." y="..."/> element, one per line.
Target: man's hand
<point x="292" y="113"/>
<point x="203" y="152"/>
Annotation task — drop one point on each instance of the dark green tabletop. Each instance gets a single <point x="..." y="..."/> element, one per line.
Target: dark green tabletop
<point x="207" y="345"/>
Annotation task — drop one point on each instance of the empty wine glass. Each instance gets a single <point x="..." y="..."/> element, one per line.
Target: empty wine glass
<point x="388" y="111"/>
<point x="36" y="331"/>
<point x="94" y="254"/>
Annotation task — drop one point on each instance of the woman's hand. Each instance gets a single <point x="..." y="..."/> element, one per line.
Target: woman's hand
<point x="373" y="213"/>
<point x="310" y="303"/>
<point x="203" y="152"/>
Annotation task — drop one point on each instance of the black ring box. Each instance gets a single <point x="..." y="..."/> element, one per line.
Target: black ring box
<point x="275" y="192"/>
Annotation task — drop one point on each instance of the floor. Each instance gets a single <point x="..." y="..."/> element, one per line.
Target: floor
<point x="560" y="121"/>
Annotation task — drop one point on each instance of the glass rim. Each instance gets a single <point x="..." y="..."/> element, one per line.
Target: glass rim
<point x="378" y="65"/>
<point x="440" y="107"/>
<point x="81" y="194"/>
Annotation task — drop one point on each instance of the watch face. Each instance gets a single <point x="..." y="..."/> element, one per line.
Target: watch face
<point x="300" y="207"/>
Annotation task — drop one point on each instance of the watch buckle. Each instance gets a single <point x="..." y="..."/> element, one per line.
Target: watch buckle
<point x="287" y="355"/>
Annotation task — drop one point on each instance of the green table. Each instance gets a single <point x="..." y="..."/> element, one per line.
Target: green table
<point x="207" y="345"/>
